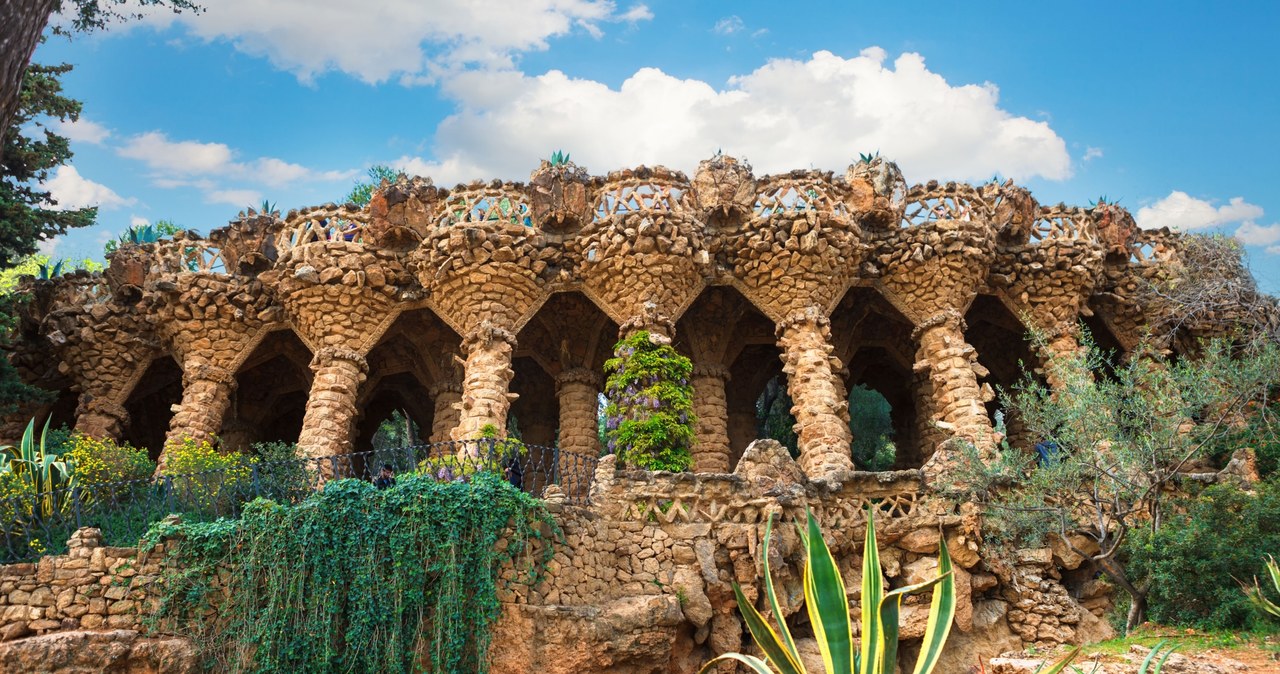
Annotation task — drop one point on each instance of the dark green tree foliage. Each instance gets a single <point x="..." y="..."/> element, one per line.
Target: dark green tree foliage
<point x="355" y="579"/>
<point x="872" y="428"/>
<point x="649" y="420"/>
<point x="773" y="415"/>
<point x="27" y="213"/>
<point x="1196" y="561"/>
<point x="363" y="192"/>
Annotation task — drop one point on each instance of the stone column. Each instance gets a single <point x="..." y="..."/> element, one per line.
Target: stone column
<point x="98" y="417"/>
<point x="711" y="450"/>
<point x="329" y="422"/>
<point x="1059" y="353"/>
<point x="822" y="415"/>
<point x="446" y="397"/>
<point x="956" y="400"/>
<point x="486" y="380"/>
<point x="579" y="392"/>
<point x="206" y="396"/>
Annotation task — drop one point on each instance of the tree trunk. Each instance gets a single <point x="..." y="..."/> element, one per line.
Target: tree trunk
<point x="23" y="21"/>
<point x="1137" y="596"/>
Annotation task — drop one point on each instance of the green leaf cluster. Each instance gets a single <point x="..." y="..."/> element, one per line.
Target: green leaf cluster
<point x="649" y="419"/>
<point x="356" y="579"/>
<point x="362" y="192"/>
<point x="827" y="604"/>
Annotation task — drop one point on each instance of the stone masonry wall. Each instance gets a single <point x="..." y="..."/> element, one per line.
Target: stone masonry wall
<point x="641" y="581"/>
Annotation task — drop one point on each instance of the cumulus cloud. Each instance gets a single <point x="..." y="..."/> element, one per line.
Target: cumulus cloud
<point x="138" y="221"/>
<point x="82" y="130"/>
<point x="189" y="163"/>
<point x="1258" y="235"/>
<point x="70" y="190"/>
<point x="786" y="114"/>
<point x="1182" y="212"/>
<point x="49" y="246"/>
<point x="378" y="39"/>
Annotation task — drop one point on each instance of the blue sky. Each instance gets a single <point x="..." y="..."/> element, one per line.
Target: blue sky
<point x="1169" y="107"/>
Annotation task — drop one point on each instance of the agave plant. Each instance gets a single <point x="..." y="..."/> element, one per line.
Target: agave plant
<point x="559" y="158"/>
<point x="45" y="272"/>
<point x="1255" y="594"/>
<point x="828" y="608"/>
<point x="42" y="473"/>
<point x="865" y="158"/>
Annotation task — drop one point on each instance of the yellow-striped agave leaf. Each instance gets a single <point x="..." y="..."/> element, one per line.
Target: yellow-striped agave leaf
<point x="754" y="664"/>
<point x="872" y="632"/>
<point x="773" y="597"/>
<point x="890" y="608"/>
<point x="827" y="604"/>
<point x="782" y="657"/>
<point x="942" y="610"/>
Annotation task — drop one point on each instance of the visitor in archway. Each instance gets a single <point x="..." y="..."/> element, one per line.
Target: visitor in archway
<point x="386" y="479"/>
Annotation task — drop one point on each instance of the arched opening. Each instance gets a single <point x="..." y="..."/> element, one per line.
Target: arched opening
<point x="559" y="365"/>
<point x="1006" y="359"/>
<point x="397" y="406"/>
<point x="150" y="405"/>
<point x="731" y="342"/>
<point x="271" y="392"/>
<point x="873" y="339"/>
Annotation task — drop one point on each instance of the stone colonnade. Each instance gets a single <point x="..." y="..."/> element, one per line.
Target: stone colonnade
<point x="640" y="246"/>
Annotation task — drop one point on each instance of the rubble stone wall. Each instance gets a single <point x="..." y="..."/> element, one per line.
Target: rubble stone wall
<point x="642" y="579"/>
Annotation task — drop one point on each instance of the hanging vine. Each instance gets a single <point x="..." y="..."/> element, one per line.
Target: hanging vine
<point x="354" y="579"/>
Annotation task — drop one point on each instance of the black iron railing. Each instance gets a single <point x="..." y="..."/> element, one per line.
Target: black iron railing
<point x="32" y="525"/>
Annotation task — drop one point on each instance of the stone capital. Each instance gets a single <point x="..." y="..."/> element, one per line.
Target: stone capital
<point x="106" y="408"/>
<point x="578" y="375"/>
<point x="329" y="354"/>
<point x="808" y="315"/>
<point x="442" y="387"/>
<point x="485" y="335"/>
<point x="948" y="317"/>
<point x="207" y="372"/>
<point x="711" y="370"/>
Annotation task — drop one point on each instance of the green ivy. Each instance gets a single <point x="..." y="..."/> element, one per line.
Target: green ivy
<point x="354" y="579"/>
<point x="649" y="420"/>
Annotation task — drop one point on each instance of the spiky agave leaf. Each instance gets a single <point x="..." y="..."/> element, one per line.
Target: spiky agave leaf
<point x="827" y="604"/>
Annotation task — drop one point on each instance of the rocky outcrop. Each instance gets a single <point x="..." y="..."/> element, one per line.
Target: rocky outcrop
<point x="107" y="652"/>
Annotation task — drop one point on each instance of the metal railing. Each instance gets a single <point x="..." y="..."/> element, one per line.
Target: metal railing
<point x="32" y="525"/>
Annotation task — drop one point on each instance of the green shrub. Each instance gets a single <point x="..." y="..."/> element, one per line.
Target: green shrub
<point x="282" y="474"/>
<point x="1196" y="560"/>
<point x="95" y="462"/>
<point x="649" y="420"/>
<point x="204" y="479"/>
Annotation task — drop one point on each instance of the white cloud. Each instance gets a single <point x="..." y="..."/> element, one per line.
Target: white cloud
<point x="239" y="198"/>
<point x="1182" y="212"/>
<point x="138" y="221"/>
<point x="636" y="14"/>
<point x="82" y="130"/>
<point x="1091" y="153"/>
<point x="70" y="191"/>
<point x="787" y="114"/>
<point x="49" y="246"/>
<point x="181" y="157"/>
<point x="1254" y="234"/>
<point x="378" y="39"/>
<point x="729" y="25"/>
<point x="201" y="165"/>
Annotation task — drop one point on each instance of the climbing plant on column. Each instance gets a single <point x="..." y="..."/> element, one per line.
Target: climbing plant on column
<point x="649" y="419"/>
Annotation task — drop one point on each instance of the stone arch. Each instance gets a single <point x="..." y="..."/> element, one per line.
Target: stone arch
<point x="1005" y="354"/>
<point x="873" y="339"/>
<point x="415" y="367"/>
<point x="558" y="364"/>
<point x="270" y="396"/>
<point x="713" y="332"/>
<point x="150" y="405"/>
